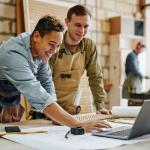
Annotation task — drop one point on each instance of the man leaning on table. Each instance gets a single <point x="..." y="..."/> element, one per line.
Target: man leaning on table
<point x="76" y="55"/>
<point x="24" y="70"/>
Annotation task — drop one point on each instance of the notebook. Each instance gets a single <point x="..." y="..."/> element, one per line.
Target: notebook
<point x="140" y="127"/>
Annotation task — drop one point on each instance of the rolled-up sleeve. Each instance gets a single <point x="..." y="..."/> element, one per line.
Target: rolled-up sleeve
<point x="40" y="94"/>
<point x="45" y="78"/>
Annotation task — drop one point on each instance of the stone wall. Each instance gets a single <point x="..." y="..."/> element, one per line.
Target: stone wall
<point x="7" y="19"/>
<point x="101" y="11"/>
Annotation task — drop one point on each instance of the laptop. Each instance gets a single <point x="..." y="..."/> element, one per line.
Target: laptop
<point x="140" y="127"/>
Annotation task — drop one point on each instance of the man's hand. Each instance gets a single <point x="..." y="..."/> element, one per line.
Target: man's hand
<point x="104" y="111"/>
<point x="55" y="112"/>
<point x="94" y="125"/>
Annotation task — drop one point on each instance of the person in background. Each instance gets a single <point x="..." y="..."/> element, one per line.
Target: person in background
<point x="77" y="54"/>
<point x="134" y="77"/>
<point x="24" y="70"/>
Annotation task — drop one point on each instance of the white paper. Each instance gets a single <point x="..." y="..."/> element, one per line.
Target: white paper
<point x="55" y="140"/>
<point x="128" y="111"/>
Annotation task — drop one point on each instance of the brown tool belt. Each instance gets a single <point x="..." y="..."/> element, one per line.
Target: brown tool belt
<point x="11" y="113"/>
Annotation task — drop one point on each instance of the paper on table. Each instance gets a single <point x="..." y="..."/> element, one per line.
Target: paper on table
<point x="55" y="140"/>
<point x="122" y="120"/>
<point x="128" y="111"/>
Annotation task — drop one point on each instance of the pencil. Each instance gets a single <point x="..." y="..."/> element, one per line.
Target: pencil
<point x="30" y="132"/>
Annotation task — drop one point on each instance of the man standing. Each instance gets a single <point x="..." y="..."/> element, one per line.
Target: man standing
<point x="76" y="54"/>
<point x="24" y="70"/>
<point x="133" y="82"/>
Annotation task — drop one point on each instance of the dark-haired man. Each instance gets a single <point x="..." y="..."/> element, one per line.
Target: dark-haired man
<point x="77" y="54"/>
<point x="24" y="70"/>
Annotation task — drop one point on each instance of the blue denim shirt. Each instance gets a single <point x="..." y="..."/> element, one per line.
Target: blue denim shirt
<point x="31" y="77"/>
<point x="132" y="65"/>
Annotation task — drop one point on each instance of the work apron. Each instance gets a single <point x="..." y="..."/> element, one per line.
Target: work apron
<point x="132" y="84"/>
<point x="68" y="70"/>
<point x="10" y="108"/>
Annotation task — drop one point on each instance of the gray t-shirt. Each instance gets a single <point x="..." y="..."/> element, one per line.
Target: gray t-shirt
<point x="29" y="75"/>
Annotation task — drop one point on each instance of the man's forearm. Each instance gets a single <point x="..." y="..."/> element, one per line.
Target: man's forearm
<point x="99" y="104"/>
<point x="55" y="112"/>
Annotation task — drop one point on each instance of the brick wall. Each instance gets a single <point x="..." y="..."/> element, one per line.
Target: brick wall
<point x="7" y="19"/>
<point x="101" y="11"/>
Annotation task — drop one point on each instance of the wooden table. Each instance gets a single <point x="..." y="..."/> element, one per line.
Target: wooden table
<point x="9" y="145"/>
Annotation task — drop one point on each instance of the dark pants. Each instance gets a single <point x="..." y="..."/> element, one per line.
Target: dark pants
<point x="10" y="108"/>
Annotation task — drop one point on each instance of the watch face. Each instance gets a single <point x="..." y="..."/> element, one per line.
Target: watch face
<point x="77" y="131"/>
<point x="139" y="27"/>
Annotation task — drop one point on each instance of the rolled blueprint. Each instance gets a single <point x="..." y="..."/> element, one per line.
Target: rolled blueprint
<point x="128" y="111"/>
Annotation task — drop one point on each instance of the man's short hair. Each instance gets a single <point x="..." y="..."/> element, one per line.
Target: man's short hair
<point x="78" y="10"/>
<point x="47" y="24"/>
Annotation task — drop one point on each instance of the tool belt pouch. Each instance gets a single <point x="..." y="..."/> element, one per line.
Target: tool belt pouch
<point x="10" y="113"/>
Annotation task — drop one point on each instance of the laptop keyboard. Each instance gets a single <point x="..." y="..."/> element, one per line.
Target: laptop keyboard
<point x="121" y="133"/>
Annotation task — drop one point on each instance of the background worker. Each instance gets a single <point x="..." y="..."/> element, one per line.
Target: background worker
<point x="134" y="76"/>
<point x="76" y="55"/>
<point x="24" y="70"/>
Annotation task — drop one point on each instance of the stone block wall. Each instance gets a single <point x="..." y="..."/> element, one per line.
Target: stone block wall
<point x="7" y="19"/>
<point x="101" y="11"/>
